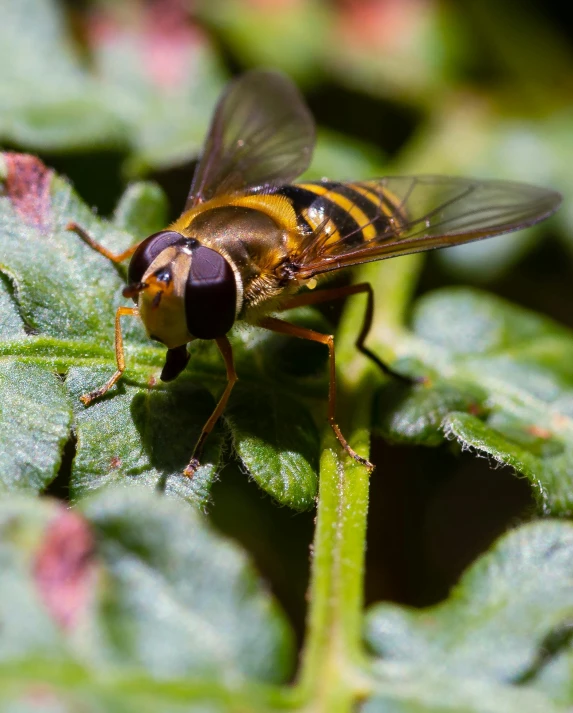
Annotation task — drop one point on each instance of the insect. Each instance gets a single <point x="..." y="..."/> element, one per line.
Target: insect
<point x="249" y="239"/>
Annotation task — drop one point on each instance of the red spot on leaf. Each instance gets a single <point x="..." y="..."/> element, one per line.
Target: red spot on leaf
<point x="115" y="462"/>
<point x="42" y="697"/>
<point x="168" y="37"/>
<point x="539" y="432"/>
<point x="275" y="5"/>
<point x="64" y="569"/>
<point x="387" y="25"/>
<point x="160" y="32"/>
<point x="27" y="185"/>
<point x="152" y="381"/>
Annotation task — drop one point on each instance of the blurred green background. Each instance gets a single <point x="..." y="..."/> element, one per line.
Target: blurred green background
<point x="107" y="92"/>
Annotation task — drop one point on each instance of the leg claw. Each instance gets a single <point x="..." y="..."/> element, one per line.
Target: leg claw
<point x="86" y="399"/>
<point x="191" y="469"/>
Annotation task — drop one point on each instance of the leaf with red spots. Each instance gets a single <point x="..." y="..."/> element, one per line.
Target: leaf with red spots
<point x="122" y="602"/>
<point x="385" y="46"/>
<point x="59" y="298"/>
<point x="148" y="89"/>
<point x="499" y="378"/>
<point x="133" y="603"/>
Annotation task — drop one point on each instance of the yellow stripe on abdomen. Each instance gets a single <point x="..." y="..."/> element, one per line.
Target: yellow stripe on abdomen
<point x="326" y="226"/>
<point x="385" y="198"/>
<point x="359" y="216"/>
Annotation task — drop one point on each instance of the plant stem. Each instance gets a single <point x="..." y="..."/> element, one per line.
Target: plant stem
<point x="331" y="679"/>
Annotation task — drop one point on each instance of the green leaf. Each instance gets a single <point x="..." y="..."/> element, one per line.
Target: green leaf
<point x="421" y="691"/>
<point x="63" y="290"/>
<point x="149" y="88"/>
<point x="498" y="379"/>
<point x="278" y="442"/>
<point x="48" y="99"/>
<point x="11" y="323"/>
<point x="141" y="431"/>
<point x="415" y="415"/>
<point x="502" y="623"/>
<point x="35" y="421"/>
<point x="393" y="51"/>
<point x="67" y="294"/>
<point x="215" y="619"/>
<point x="160" y="75"/>
<point x="141" y="590"/>
<point x="142" y="210"/>
<point x="141" y="436"/>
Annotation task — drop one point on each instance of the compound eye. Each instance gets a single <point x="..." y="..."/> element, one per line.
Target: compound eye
<point x="210" y="295"/>
<point x="147" y="251"/>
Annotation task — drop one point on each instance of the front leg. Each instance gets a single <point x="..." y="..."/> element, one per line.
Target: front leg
<point x="120" y="360"/>
<point x="94" y="245"/>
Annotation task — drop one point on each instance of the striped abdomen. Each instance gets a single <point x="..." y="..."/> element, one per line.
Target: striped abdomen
<point x="347" y="214"/>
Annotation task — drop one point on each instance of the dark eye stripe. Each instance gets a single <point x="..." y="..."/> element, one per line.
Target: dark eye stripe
<point x="210" y="295"/>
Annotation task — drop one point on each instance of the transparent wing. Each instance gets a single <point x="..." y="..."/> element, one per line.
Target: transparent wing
<point x="416" y="213"/>
<point x="262" y="134"/>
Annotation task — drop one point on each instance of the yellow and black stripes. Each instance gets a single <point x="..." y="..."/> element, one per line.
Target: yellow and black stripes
<point x="343" y="214"/>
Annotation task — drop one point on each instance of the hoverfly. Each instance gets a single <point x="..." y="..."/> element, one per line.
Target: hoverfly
<point x="249" y="239"/>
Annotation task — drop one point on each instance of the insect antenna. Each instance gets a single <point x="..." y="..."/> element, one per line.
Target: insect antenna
<point x="134" y="289"/>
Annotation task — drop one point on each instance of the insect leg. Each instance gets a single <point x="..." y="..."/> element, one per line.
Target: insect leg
<point x="227" y="352"/>
<point x="312" y="298"/>
<point x="121" y="312"/>
<point x="277" y="325"/>
<point x="86" y="237"/>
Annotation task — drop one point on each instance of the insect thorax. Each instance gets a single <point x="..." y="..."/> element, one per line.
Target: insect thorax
<point x="255" y="246"/>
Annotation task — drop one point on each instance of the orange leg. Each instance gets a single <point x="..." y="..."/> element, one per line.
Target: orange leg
<point x="227" y="352"/>
<point x="313" y="298"/>
<point x="78" y="230"/>
<point x="121" y="312"/>
<point x="277" y="325"/>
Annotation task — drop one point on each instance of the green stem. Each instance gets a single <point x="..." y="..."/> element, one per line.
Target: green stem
<point x="331" y="678"/>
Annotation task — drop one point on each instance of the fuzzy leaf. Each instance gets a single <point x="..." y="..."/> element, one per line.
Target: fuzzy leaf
<point x="141" y="436"/>
<point x="499" y="381"/>
<point x="48" y="99"/>
<point x="35" y="420"/>
<point x="505" y="621"/>
<point x="150" y="87"/>
<point x="278" y="442"/>
<point x="135" y="588"/>
<point x="60" y="298"/>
